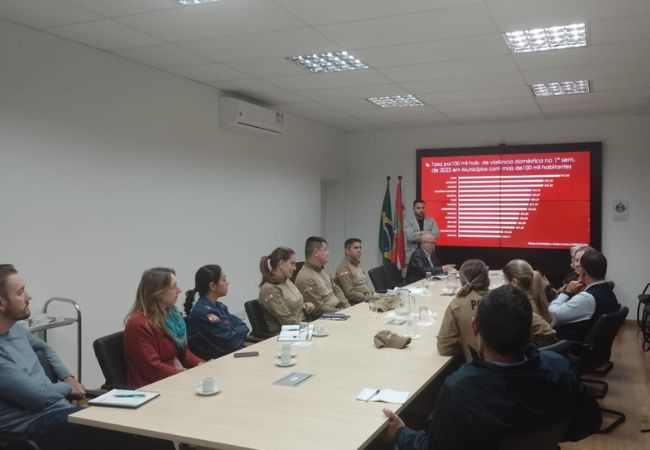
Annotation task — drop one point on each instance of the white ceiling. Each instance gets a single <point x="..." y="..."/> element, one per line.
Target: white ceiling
<point x="449" y="53"/>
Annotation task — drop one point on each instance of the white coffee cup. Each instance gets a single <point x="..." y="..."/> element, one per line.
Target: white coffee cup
<point x="319" y="330"/>
<point x="207" y="384"/>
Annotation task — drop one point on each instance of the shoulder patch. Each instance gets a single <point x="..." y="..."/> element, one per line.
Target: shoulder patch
<point x="213" y="318"/>
<point x="268" y="298"/>
<point x="344" y="273"/>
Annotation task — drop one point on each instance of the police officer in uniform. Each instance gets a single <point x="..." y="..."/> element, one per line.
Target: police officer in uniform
<point x="351" y="277"/>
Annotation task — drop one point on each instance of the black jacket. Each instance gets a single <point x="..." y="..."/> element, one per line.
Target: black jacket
<point x="419" y="265"/>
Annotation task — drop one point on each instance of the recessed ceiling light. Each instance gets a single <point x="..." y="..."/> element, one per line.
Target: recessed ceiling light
<point x="329" y="62"/>
<point x="552" y="38"/>
<point x="195" y="2"/>
<point x="561" y="88"/>
<point x="397" y="101"/>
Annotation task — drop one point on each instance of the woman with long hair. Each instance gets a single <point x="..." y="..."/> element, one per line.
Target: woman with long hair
<point x="212" y="331"/>
<point x="155" y="340"/>
<point x="280" y="299"/>
<point x="520" y="274"/>
<point x="456" y="328"/>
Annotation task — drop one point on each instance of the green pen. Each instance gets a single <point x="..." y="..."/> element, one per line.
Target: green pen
<point x="128" y="395"/>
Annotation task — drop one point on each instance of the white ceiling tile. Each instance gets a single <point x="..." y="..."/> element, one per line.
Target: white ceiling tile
<point x="115" y="8"/>
<point x="164" y="56"/>
<point x="324" y="114"/>
<point x="329" y="80"/>
<point x="225" y="18"/>
<point x="449" y="69"/>
<point x="495" y="115"/>
<point x="349" y="124"/>
<point x="600" y="54"/>
<point x="318" y="12"/>
<point x="426" y="26"/>
<point x="604" y="107"/>
<point x="44" y="13"/>
<point x="358" y="92"/>
<point x="409" y="122"/>
<point x="397" y="112"/>
<point x="271" y="67"/>
<point x="350" y="105"/>
<point x="511" y="15"/>
<point x="210" y="72"/>
<point x="623" y="69"/>
<point x="273" y="44"/>
<point x="301" y="108"/>
<point x="445" y="50"/>
<point x="625" y="95"/>
<point x="603" y="9"/>
<point x="105" y="34"/>
<point x="249" y="87"/>
<point x="476" y="95"/>
<point x="619" y="30"/>
<point x="617" y="83"/>
<point x="464" y="83"/>
<point x="511" y="103"/>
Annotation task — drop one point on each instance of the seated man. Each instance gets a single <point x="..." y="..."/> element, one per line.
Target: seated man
<point x="575" y="310"/>
<point x="30" y="402"/>
<point x="424" y="260"/>
<point x="351" y="277"/>
<point x="315" y="284"/>
<point x="513" y="387"/>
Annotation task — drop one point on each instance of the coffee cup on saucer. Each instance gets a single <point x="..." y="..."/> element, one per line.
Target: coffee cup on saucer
<point x="207" y="385"/>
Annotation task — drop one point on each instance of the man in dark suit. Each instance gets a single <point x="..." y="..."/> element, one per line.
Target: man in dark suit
<point x="424" y="260"/>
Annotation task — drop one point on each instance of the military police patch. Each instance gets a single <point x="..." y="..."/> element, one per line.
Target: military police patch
<point x="212" y="318"/>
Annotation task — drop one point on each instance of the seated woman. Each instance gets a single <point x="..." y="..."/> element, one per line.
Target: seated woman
<point x="520" y="274"/>
<point x="456" y="329"/>
<point x="211" y="330"/>
<point x="155" y="343"/>
<point x="280" y="299"/>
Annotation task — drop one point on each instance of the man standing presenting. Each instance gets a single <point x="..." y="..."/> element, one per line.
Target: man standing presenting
<point x="315" y="283"/>
<point x="416" y="226"/>
<point x="424" y="260"/>
<point x="512" y="388"/>
<point x="30" y="402"/>
<point x="575" y="310"/>
<point x="351" y="277"/>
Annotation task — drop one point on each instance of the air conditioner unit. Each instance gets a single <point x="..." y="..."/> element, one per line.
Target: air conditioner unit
<point x="238" y="114"/>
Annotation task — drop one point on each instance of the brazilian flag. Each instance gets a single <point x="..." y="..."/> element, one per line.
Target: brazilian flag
<point x="386" y="226"/>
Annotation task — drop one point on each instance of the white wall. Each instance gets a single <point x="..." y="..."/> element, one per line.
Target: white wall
<point x="626" y="161"/>
<point x="109" y="167"/>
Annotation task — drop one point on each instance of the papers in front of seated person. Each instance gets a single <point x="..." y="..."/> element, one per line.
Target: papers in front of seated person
<point x="296" y="333"/>
<point x="123" y="398"/>
<point x="383" y="395"/>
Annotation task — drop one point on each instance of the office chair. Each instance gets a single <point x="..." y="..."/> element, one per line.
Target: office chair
<point x="109" y="351"/>
<point x="593" y="357"/>
<point x="256" y="317"/>
<point x="16" y="441"/>
<point x="394" y="275"/>
<point x="379" y="279"/>
<point x="299" y="265"/>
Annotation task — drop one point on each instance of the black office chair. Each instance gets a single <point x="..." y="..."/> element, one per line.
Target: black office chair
<point x="16" y="441"/>
<point x="109" y="351"/>
<point x="379" y="279"/>
<point x="593" y="357"/>
<point x="299" y="265"/>
<point x="256" y="317"/>
<point x="394" y="275"/>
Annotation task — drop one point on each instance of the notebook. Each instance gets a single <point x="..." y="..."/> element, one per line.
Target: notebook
<point x="295" y="333"/>
<point x="123" y="398"/>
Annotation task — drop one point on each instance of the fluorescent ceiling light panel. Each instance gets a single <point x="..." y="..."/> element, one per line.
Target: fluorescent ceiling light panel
<point x="552" y="38"/>
<point x="195" y="2"/>
<point x="397" y="101"/>
<point x="561" y="88"/>
<point x="329" y="62"/>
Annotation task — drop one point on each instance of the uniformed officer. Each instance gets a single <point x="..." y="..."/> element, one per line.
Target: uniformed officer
<point x="281" y="302"/>
<point x="351" y="277"/>
<point x="315" y="283"/>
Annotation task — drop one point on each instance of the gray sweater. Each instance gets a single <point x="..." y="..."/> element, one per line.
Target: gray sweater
<point x="26" y="393"/>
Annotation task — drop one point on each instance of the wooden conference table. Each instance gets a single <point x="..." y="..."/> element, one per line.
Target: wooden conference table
<point x="321" y="413"/>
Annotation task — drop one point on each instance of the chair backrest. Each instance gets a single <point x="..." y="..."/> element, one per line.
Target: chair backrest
<point x="299" y="265"/>
<point x="598" y="343"/>
<point x="379" y="279"/>
<point x="394" y="274"/>
<point x="561" y="347"/>
<point x="256" y="318"/>
<point x="109" y="351"/>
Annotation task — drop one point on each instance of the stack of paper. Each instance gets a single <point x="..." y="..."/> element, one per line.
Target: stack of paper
<point x="296" y="333"/>
<point x="124" y="398"/>
<point x="383" y="395"/>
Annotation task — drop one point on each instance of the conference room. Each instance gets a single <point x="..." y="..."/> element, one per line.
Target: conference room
<point x="115" y="158"/>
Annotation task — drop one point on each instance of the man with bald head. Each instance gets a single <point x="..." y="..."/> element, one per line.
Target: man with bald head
<point x="424" y="260"/>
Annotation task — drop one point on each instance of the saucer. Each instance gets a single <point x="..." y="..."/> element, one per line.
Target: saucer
<point x="279" y="363"/>
<point x="293" y="355"/>
<point x="217" y="389"/>
<point x="321" y="334"/>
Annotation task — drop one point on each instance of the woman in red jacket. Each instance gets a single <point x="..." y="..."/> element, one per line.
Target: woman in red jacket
<point x="155" y="341"/>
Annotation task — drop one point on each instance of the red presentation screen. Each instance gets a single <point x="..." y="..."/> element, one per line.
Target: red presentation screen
<point x="520" y="200"/>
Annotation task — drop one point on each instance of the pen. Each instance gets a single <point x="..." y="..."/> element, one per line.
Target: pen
<point x="373" y="395"/>
<point x="128" y="395"/>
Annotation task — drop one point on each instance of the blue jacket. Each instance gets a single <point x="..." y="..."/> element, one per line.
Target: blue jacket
<point x="212" y="331"/>
<point x="481" y="402"/>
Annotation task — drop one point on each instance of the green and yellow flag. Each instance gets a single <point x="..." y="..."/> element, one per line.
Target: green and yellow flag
<point x="386" y="226"/>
